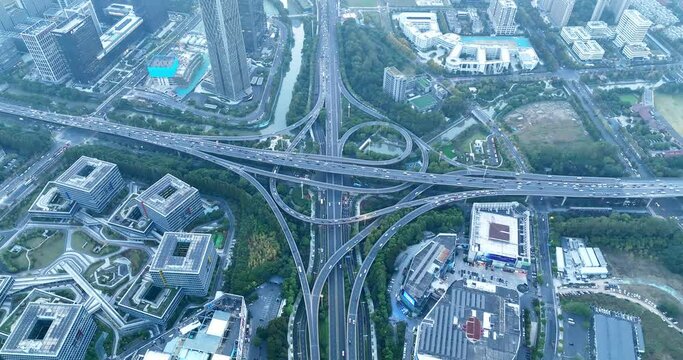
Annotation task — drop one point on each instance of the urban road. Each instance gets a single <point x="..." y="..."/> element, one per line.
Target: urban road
<point x="471" y="183"/>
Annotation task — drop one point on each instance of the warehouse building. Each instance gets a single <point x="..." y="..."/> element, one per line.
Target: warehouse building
<point x="500" y="236"/>
<point x="184" y="260"/>
<point x="427" y="269"/>
<point x="90" y="182"/>
<point x="576" y="262"/>
<point x="617" y="337"/>
<point x="170" y="203"/>
<point x="50" y="331"/>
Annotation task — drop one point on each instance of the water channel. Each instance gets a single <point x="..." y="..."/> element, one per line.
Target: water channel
<point x="279" y="118"/>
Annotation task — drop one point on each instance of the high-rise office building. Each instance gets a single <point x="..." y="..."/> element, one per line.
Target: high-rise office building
<point x="502" y="15"/>
<point x="617" y="7"/>
<point x="226" y="48"/>
<point x="560" y="11"/>
<point x="80" y="44"/>
<point x="170" y="203"/>
<point x="545" y="5"/>
<point x="598" y="9"/>
<point x="395" y="84"/>
<point x="43" y="47"/>
<point x="50" y="331"/>
<point x="184" y="260"/>
<point x="632" y="28"/>
<point x="154" y="13"/>
<point x="253" y="21"/>
<point x="35" y="8"/>
<point x="90" y="182"/>
<point x="84" y="8"/>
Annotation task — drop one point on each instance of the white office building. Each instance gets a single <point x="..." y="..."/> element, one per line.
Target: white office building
<point x="560" y="11"/>
<point x="588" y="50"/>
<point x="186" y="261"/>
<point x="170" y="203"/>
<point x="43" y="47"/>
<point x="421" y="28"/>
<point x="599" y="30"/>
<point x="90" y="182"/>
<point x="636" y="51"/>
<point x="395" y="84"/>
<point x="570" y="34"/>
<point x="478" y="59"/>
<point x="502" y="14"/>
<point x="632" y="28"/>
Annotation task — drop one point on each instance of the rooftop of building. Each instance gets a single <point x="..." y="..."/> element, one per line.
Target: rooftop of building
<point x="497" y="229"/>
<point x="42" y="329"/>
<point x="425" y="266"/>
<point x="145" y="297"/>
<point x="635" y="16"/>
<point x="51" y="200"/>
<point x="85" y="174"/>
<point x="216" y="333"/>
<point x="38" y="27"/>
<point x="181" y="252"/>
<point x="167" y="194"/>
<point x="129" y="216"/>
<point x="614" y="338"/>
<point x="575" y="33"/>
<point x="69" y="25"/>
<point x="164" y="61"/>
<point x="471" y="324"/>
<point x="393" y="71"/>
<point x="124" y="27"/>
<point x="591" y="46"/>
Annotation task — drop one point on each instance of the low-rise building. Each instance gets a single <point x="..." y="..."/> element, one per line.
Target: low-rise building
<point x="90" y="182"/>
<point x="580" y="262"/>
<point x="636" y="51"/>
<point x="470" y="323"/>
<point x="171" y="203"/>
<point x="219" y="332"/>
<point x="50" y="331"/>
<point x="51" y="204"/>
<point x="185" y="260"/>
<point x="570" y="34"/>
<point x="478" y="59"/>
<point x="500" y="236"/>
<point x="588" y="50"/>
<point x="617" y="337"/>
<point x="599" y="30"/>
<point x="426" y="272"/>
<point x="145" y="300"/>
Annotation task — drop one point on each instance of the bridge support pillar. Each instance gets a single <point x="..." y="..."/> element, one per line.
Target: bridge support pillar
<point x="563" y="201"/>
<point x="649" y="201"/>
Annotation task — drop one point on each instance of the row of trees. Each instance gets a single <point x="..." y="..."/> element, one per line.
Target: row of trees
<point x="649" y="237"/>
<point x="300" y="94"/>
<point x="24" y="141"/>
<point x="589" y="159"/>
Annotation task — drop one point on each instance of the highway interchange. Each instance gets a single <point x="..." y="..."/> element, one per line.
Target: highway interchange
<point x="330" y="170"/>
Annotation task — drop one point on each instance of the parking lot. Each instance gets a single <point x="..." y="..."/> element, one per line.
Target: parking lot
<point x="262" y="311"/>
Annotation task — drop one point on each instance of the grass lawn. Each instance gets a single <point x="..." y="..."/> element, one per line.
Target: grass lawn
<point x="661" y="342"/>
<point x="84" y="244"/>
<point x="447" y="148"/>
<point x="546" y="123"/>
<point x="670" y="107"/>
<point x="360" y="3"/>
<point x="43" y="252"/>
<point x="463" y="144"/>
<point x="138" y="259"/>
<point x="630" y="99"/>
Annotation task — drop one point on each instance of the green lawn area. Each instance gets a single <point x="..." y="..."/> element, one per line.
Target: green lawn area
<point x="360" y="3"/>
<point x="84" y="244"/>
<point x="661" y="342"/>
<point x="670" y="107"/>
<point x="41" y="254"/>
<point x="218" y="240"/>
<point x="630" y="99"/>
<point x="463" y="143"/>
<point x="138" y="259"/>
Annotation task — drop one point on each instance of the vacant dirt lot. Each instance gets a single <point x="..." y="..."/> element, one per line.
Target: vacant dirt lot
<point x="549" y="123"/>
